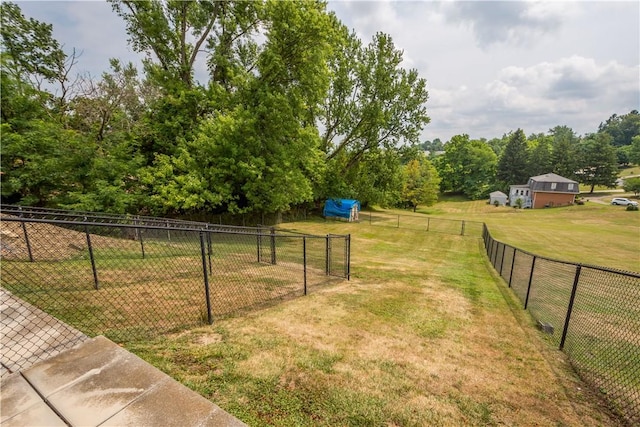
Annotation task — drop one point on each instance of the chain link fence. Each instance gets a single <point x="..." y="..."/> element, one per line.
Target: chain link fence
<point x="423" y="223"/>
<point x="135" y="278"/>
<point x="591" y="313"/>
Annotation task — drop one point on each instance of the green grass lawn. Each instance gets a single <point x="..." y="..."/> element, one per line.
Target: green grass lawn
<point x="597" y="234"/>
<point x="423" y="334"/>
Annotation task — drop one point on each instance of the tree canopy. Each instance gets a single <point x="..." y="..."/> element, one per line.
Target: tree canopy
<point x="293" y="107"/>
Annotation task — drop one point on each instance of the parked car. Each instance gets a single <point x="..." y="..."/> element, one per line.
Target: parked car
<point x="623" y="201"/>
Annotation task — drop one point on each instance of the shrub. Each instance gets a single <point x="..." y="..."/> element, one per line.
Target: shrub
<point x="632" y="207"/>
<point x="519" y="203"/>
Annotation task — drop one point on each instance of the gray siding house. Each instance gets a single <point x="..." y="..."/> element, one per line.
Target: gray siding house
<point x="546" y="190"/>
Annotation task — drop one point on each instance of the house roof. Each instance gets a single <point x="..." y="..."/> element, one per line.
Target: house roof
<point x="551" y="177"/>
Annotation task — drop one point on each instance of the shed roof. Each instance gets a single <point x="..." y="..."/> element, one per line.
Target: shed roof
<point x="497" y="194"/>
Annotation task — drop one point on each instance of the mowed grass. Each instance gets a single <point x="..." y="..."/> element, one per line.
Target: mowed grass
<point x="594" y="233"/>
<point x="423" y="334"/>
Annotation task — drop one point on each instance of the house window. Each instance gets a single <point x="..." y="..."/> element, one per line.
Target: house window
<point x="527" y="192"/>
<point x="571" y="186"/>
<point x="553" y="185"/>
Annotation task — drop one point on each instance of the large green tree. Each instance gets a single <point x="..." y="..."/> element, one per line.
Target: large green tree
<point x="632" y="185"/>
<point x="540" y="158"/>
<point x="109" y="113"/>
<point x="599" y="161"/>
<point x="420" y="183"/>
<point x="175" y="34"/>
<point x="373" y="103"/>
<point x="261" y="151"/>
<point x="622" y="129"/>
<point x="513" y="167"/>
<point x="42" y="159"/>
<point x="634" y="151"/>
<point x="565" y="155"/>
<point x="467" y="167"/>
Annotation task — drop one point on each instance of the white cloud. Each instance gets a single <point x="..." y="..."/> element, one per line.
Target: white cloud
<point x="491" y="67"/>
<point x="574" y="91"/>
<point x="90" y="27"/>
<point x="518" y="22"/>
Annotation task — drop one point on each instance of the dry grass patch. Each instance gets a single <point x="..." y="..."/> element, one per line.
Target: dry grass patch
<point x="428" y="340"/>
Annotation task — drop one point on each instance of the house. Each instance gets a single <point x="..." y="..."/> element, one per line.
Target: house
<point x="498" y="197"/>
<point x="544" y="191"/>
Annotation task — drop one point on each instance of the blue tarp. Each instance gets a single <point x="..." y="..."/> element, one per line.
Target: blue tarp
<point x="340" y="208"/>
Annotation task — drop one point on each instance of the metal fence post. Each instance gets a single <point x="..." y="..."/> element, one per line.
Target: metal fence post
<point x="533" y="266"/>
<point x="576" y="279"/>
<point x="304" y="261"/>
<point x="428" y="223"/>
<point x="209" y="248"/>
<point x="93" y="261"/>
<point x="26" y="240"/>
<point x="513" y="262"/>
<point x="398" y="226"/>
<point x="206" y="278"/>
<point x="327" y="267"/>
<point x="259" y="243"/>
<point x="273" y="246"/>
<point x="504" y="249"/>
<point x="369" y="218"/>
<point x="462" y="230"/>
<point x="348" y="255"/>
<point x="138" y="235"/>
<point x="494" y="251"/>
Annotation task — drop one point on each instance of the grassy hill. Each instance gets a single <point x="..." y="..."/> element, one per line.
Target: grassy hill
<point x="595" y="233"/>
<point x="423" y="334"/>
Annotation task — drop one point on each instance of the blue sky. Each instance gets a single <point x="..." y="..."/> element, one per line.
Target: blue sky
<point x="491" y="67"/>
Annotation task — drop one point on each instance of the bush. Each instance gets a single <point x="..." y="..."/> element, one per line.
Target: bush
<point x="632" y="207"/>
<point x="519" y="203"/>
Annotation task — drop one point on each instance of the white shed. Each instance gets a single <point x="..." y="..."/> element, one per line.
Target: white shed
<point x="498" y="196"/>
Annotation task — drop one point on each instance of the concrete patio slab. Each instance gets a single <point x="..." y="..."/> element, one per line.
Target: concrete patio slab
<point x="53" y="375"/>
<point x="99" y="383"/>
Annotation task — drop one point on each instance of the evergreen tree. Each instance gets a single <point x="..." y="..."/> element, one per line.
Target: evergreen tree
<point x="564" y="157"/>
<point x="514" y="162"/>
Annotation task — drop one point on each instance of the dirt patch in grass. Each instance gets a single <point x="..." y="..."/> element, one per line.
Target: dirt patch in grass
<point x="50" y="242"/>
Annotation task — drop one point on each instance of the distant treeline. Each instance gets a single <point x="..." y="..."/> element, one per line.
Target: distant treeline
<point x="295" y="108"/>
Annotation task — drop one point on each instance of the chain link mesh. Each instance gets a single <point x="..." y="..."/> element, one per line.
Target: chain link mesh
<point x="603" y="339"/>
<point x="591" y="313"/>
<point x="133" y="281"/>
<point x="424" y="223"/>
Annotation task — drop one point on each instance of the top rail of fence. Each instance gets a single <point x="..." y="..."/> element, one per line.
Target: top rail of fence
<point x="81" y="218"/>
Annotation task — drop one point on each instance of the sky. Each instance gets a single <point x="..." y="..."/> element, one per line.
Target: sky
<point x="491" y="66"/>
